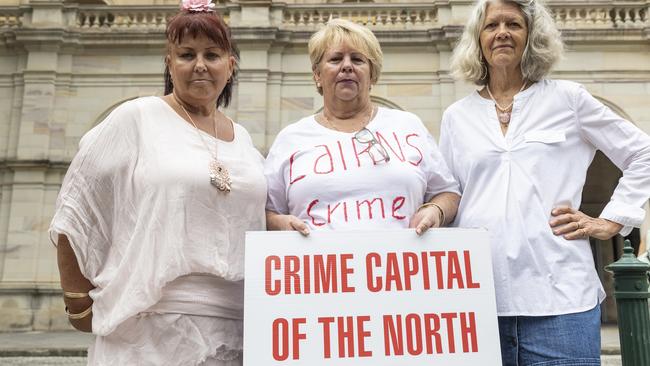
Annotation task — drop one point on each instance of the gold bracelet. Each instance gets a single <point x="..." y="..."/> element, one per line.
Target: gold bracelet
<point x="80" y="315"/>
<point x="442" y="213"/>
<point x="75" y="295"/>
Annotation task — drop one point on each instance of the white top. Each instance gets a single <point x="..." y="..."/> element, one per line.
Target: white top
<point x="202" y="294"/>
<point x="330" y="181"/>
<point x="511" y="183"/>
<point x="139" y="210"/>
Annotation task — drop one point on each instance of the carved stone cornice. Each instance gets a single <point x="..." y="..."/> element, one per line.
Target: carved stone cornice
<point x="413" y="23"/>
<point x="31" y="288"/>
<point x="33" y="164"/>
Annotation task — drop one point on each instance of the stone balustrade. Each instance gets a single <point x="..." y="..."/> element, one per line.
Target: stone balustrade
<point x="378" y="16"/>
<point x="375" y="16"/>
<point x="10" y="18"/>
<point x="619" y="16"/>
<point x="100" y="20"/>
<point x="122" y="18"/>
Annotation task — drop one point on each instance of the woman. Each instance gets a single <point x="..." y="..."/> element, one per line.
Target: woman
<point x="355" y="165"/>
<point x="520" y="148"/>
<point x="151" y="217"/>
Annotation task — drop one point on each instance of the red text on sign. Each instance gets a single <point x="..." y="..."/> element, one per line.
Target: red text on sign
<point x="322" y="273"/>
<point x="281" y="336"/>
<point x="349" y="331"/>
<point x="398" y="271"/>
<point x="415" y="334"/>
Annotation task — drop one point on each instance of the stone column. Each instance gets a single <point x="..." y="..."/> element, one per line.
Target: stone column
<point x="28" y="273"/>
<point x="252" y="27"/>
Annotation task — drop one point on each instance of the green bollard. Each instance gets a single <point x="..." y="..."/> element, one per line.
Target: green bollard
<point x="631" y="293"/>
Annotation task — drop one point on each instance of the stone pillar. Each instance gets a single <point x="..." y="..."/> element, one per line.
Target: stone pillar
<point x="28" y="273"/>
<point x="251" y="25"/>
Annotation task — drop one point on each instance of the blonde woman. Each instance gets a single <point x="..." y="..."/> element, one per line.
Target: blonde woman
<point x="355" y="165"/>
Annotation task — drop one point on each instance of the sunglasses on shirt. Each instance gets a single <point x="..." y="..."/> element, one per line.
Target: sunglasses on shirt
<point x="365" y="136"/>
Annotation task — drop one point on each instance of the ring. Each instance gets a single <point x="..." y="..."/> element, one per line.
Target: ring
<point x="578" y="222"/>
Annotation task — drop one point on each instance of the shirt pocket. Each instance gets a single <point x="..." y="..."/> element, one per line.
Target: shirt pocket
<point x="545" y="136"/>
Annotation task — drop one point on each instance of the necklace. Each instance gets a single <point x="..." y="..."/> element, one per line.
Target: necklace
<point x="504" y="113"/>
<point x="219" y="176"/>
<point x="330" y="124"/>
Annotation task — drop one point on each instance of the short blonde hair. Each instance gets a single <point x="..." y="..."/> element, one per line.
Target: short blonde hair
<point x="544" y="45"/>
<point x="361" y="38"/>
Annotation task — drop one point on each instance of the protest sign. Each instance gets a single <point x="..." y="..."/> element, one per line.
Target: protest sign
<point x="370" y="298"/>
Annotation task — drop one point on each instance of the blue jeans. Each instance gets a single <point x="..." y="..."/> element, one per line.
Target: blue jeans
<point x="559" y="340"/>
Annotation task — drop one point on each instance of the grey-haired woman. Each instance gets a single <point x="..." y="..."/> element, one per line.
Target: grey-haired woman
<point x="520" y="148"/>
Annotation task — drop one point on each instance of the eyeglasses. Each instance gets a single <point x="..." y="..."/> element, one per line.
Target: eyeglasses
<point x="365" y="136"/>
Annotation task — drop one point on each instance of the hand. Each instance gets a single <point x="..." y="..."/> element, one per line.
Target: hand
<point x="425" y="218"/>
<point x="573" y="224"/>
<point x="276" y="221"/>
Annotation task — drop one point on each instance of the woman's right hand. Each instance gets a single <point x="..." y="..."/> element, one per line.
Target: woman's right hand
<point x="275" y="221"/>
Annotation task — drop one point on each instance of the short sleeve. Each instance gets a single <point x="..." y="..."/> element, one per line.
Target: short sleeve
<point x="627" y="147"/>
<point x="95" y="191"/>
<point x="446" y="147"/>
<point x="274" y="168"/>
<point x="439" y="176"/>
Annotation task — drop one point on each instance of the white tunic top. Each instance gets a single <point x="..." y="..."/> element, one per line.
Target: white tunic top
<point x="139" y="210"/>
<point x="511" y="183"/>
<point x="331" y="181"/>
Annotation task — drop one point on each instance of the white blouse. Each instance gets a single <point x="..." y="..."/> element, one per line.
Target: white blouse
<point x="511" y="183"/>
<point x="139" y="210"/>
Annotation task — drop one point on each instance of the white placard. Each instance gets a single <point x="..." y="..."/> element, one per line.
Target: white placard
<point x="370" y="298"/>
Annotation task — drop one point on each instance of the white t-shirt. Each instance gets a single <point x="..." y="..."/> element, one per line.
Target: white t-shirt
<point x="139" y="210"/>
<point x="511" y="183"/>
<point x="330" y="181"/>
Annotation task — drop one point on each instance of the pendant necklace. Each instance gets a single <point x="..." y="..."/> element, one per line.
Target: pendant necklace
<point x="504" y="113"/>
<point x="219" y="176"/>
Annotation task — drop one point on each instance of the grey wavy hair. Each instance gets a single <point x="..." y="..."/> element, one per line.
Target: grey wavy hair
<point x="544" y="45"/>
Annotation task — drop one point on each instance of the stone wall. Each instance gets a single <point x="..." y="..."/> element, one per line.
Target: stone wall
<point x="65" y="64"/>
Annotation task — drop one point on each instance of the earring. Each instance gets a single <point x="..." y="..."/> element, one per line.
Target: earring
<point x="318" y="85"/>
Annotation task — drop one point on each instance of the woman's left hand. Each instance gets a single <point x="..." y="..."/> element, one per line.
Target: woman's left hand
<point x="573" y="224"/>
<point x="425" y="219"/>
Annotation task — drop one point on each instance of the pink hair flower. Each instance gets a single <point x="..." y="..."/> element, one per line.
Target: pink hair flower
<point x="197" y="5"/>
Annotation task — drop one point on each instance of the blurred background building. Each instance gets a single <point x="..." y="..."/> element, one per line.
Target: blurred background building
<point x="65" y="64"/>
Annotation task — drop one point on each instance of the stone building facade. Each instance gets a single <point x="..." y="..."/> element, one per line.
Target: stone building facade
<point x="65" y="64"/>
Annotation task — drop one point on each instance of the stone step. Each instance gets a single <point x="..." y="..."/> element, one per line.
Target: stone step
<point x="69" y="348"/>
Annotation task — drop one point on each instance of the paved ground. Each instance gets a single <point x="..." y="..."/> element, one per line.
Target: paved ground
<point x="42" y="361"/>
<point x="69" y="348"/>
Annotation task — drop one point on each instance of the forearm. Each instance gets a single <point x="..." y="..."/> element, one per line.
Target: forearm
<point x="273" y="221"/>
<point x="448" y="202"/>
<point x="72" y="281"/>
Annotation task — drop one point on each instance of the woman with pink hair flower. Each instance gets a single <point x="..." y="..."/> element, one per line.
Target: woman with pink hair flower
<point x="150" y="220"/>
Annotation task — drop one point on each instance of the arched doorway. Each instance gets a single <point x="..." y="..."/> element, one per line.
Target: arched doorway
<point x="602" y="178"/>
<point x="102" y="116"/>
